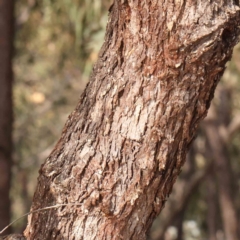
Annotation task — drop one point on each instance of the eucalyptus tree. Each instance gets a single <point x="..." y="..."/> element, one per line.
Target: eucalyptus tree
<point x="123" y="146"/>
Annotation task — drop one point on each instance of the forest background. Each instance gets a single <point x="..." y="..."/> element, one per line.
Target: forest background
<point x="56" y="43"/>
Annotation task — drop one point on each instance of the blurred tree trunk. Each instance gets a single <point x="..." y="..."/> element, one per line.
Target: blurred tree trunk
<point x="6" y="46"/>
<point x="179" y="224"/>
<point x="222" y="165"/>
<point x="123" y="147"/>
<point x="212" y="207"/>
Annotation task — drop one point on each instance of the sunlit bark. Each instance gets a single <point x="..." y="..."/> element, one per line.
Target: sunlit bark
<point x="123" y="146"/>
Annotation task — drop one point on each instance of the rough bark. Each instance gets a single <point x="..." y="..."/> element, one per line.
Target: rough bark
<point x="6" y="41"/>
<point x="123" y="146"/>
<point x="13" y="237"/>
<point x="178" y="202"/>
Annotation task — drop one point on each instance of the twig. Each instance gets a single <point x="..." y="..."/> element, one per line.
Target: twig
<point x="38" y="210"/>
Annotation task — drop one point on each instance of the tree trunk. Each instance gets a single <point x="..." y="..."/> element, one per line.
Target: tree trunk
<point x="224" y="174"/>
<point x="212" y="207"/>
<point x="179" y="224"/>
<point x="123" y="146"/>
<point x="186" y="185"/>
<point x="6" y="43"/>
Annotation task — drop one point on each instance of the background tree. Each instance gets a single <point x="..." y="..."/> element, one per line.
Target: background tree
<point x="6" y="78"/>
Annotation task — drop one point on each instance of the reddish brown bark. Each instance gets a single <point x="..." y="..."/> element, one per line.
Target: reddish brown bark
<point x="122" y="148"/>
<point x="178" y="202"/>
<point x="6" y="41"/>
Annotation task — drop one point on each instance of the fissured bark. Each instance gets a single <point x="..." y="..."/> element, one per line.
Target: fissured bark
<point x="123" y="146"/>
